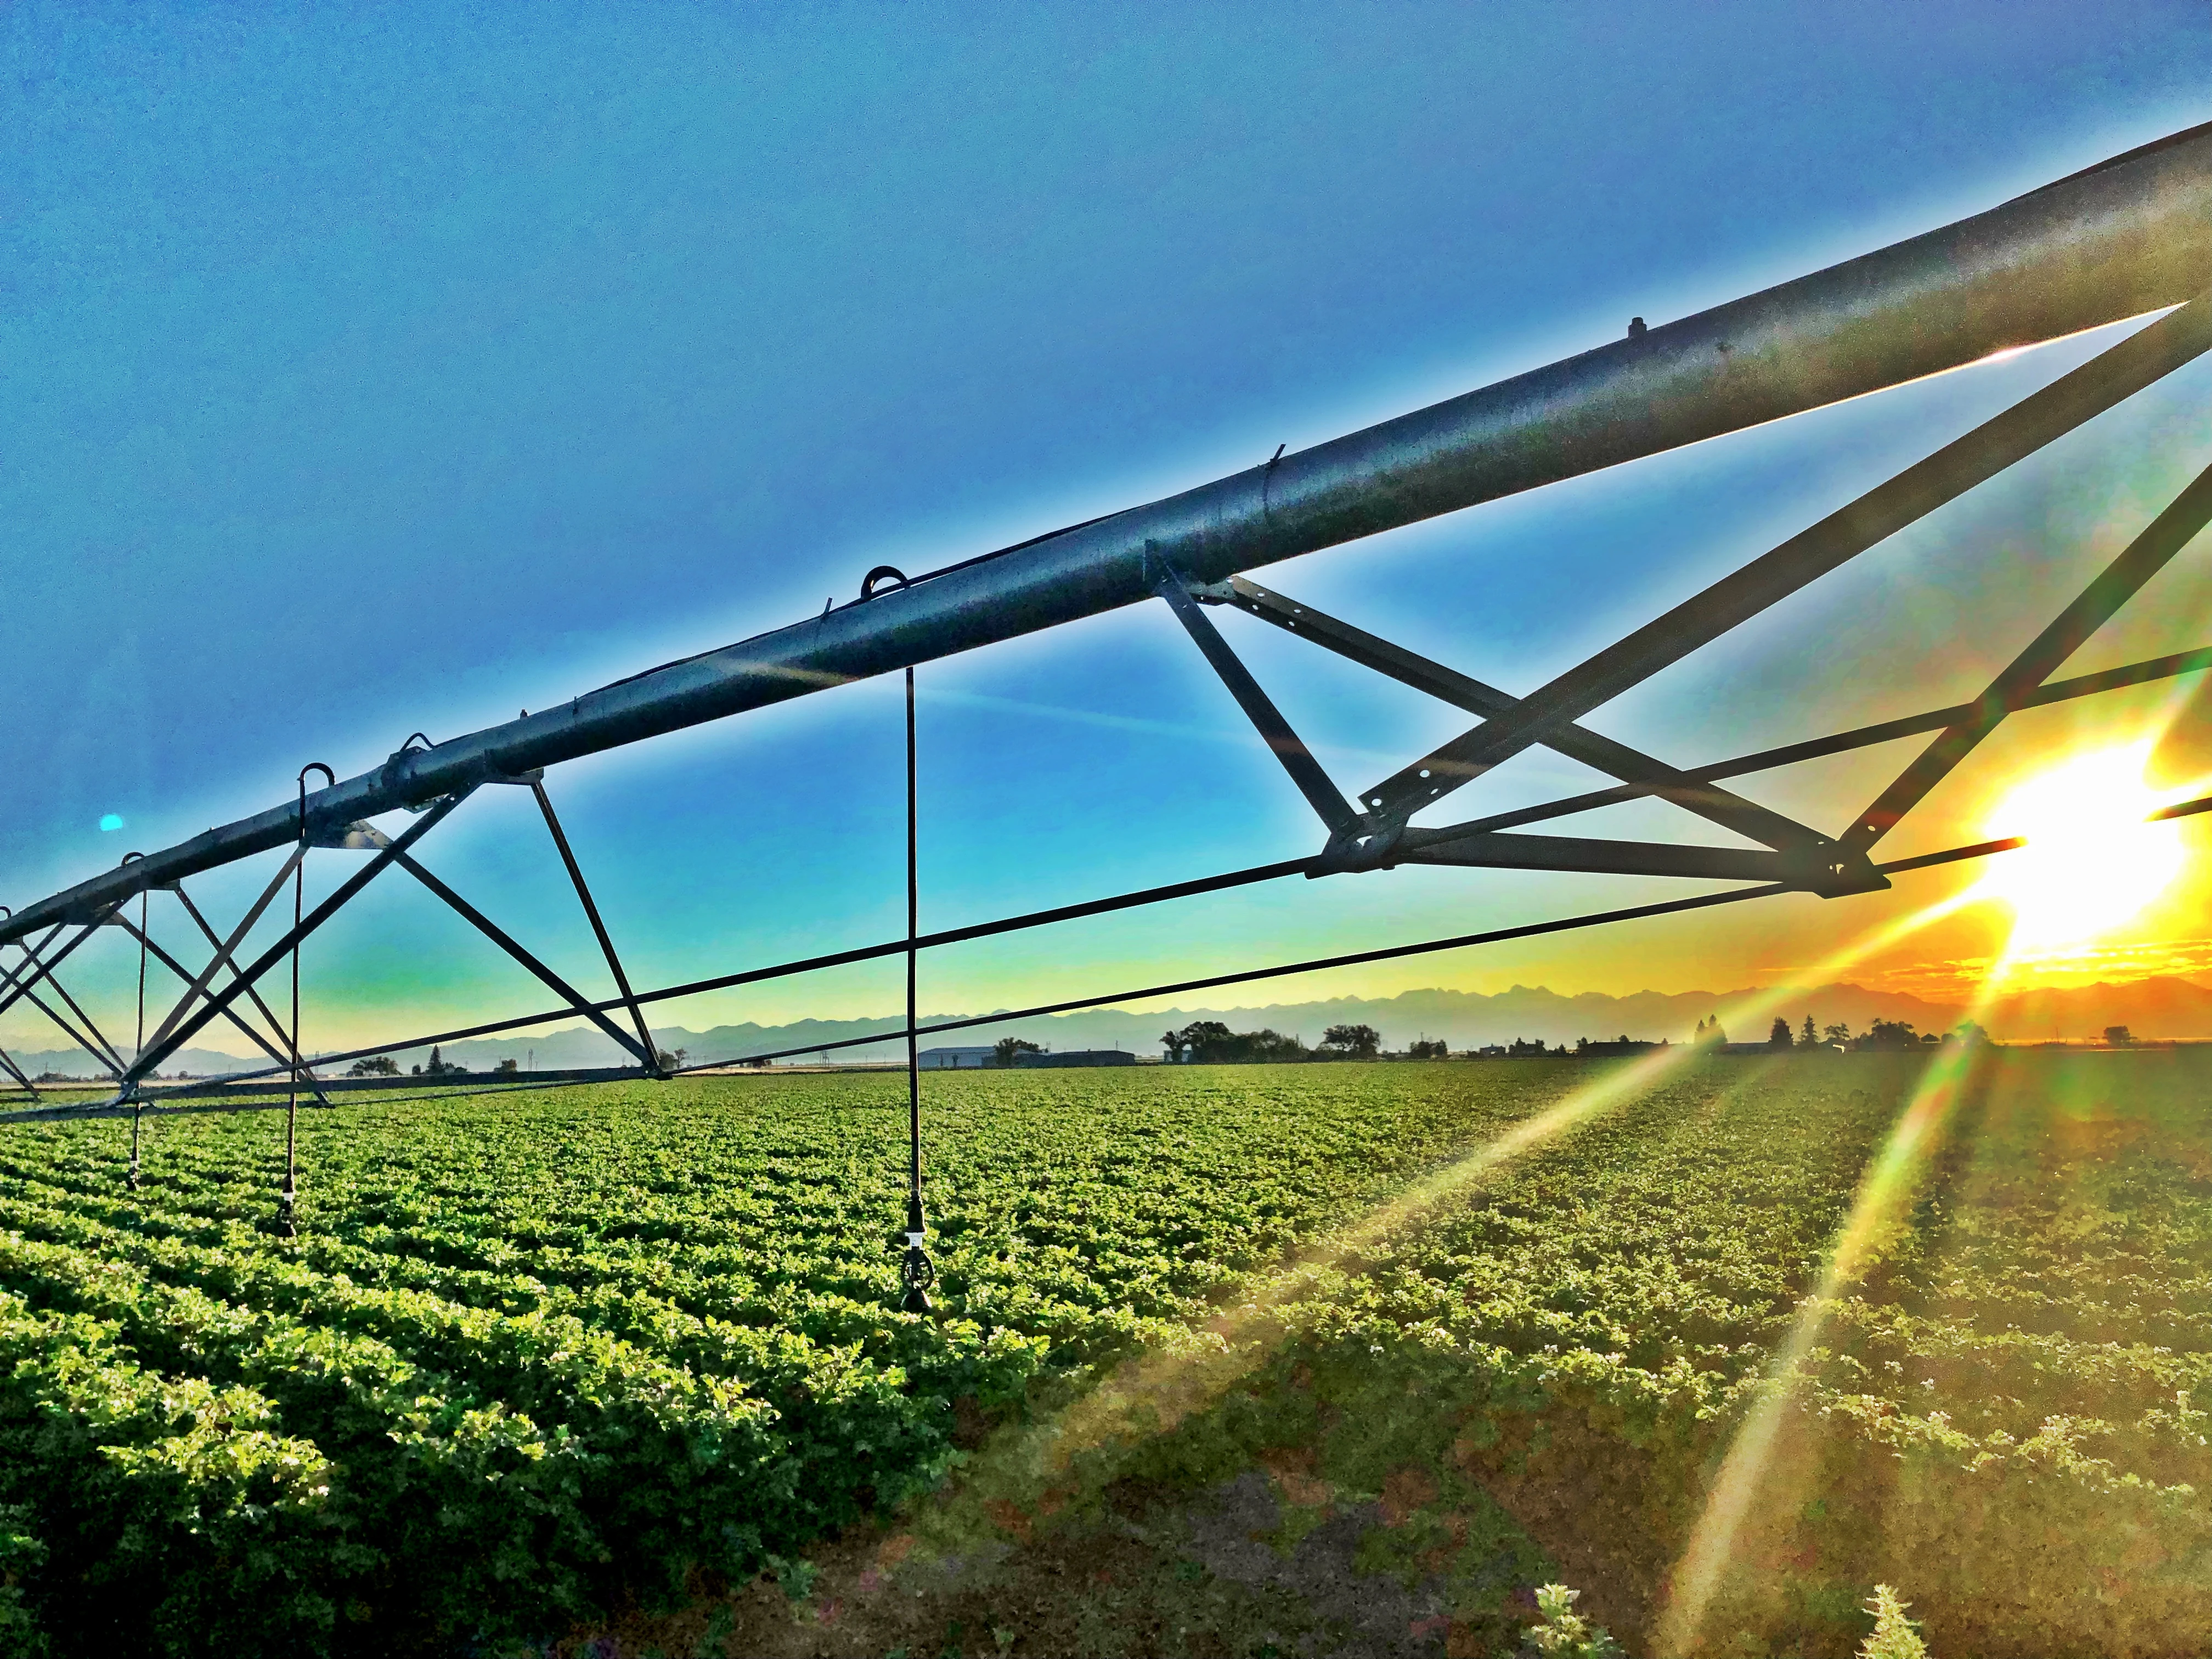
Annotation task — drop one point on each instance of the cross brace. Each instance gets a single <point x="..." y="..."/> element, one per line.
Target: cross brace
<point x="491" y="930"/>
<point x="2098" y="385"/>
<point x="290" y="1062"/>
<point x="2118" y="582"/>
<point x="181" y="1030"/>
<point x="1796" y="855"/>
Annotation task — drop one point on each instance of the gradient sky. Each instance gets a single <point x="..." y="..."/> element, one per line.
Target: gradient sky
<point x="377" y="372"/>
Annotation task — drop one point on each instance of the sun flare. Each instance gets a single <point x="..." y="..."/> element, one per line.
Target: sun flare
<point x="2091" y="861"/>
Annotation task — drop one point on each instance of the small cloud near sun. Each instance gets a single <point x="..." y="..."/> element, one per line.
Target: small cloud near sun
<point x="111" y="821"/>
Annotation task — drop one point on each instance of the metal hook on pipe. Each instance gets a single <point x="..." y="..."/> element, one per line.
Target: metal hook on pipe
<point x="882" y="572"/>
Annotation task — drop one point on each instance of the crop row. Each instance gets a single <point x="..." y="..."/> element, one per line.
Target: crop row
<point x="534" y="1354"/>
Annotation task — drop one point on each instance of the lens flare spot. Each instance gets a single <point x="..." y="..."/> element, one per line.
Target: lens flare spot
<point x="2091" y="862"/>
<point x="110" y="821"/>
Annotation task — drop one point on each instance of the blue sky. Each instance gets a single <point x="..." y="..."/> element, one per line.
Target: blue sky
<point x="372" y="373"/>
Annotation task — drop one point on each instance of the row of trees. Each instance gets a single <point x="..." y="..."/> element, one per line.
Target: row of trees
<point x="1884" y="1036"/>
<point x="439" y="1066"/>
<point x="1209" y="1043"/>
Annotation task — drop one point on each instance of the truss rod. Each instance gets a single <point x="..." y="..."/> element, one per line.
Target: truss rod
<point x="34" y="956"/>
<point x="1864" y="736"/>
<point x="1228" y="879"/>
<point x="1603" y="918"/>
<point x="253" y="992"/>
<point x="1698" y="795"/>
<point x="197" y="985"/>
<point x="191" y="1025"/>
<point x="1736" y="896"/>
<point x="22" y="1080"/>
<point x="97" y="1051"/>
<point x="2104" y="381"/>
<point x="2118" y="582"/>
<point x="114" y="1055"/>
<point x="2121" y="239"/>
<point x="1592" y="856"/>
<point x="599" y="927"/>
<point x="291" y="1063"/>
<point x="492" y="931"/>
<point x="1315" y="784"/>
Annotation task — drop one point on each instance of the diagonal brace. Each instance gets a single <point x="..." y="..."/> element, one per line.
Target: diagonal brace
<point x="196" y="986"/>
<point x="2143" y="357"/>
<point x="253" y="992"/>
<point x="1698" y="795"/>
<point x="599" y="927"/>
<point x="1590" y="855"/>
<point x="114" y="1053"/>
<point x="492" y="931"/>
<point x="16" y="1072"/>
<point x="98" y="1050"/>
<point x="33" y="958"/>
<point x="1322" y="794"/>
<point x="154" y="1054"/>
<point x="1862" y="737"/>
<point x="2143" y="558"/>
<point x="290" y="1063"/>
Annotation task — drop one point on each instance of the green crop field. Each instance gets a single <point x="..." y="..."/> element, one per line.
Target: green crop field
<point x="539" y="1362"/>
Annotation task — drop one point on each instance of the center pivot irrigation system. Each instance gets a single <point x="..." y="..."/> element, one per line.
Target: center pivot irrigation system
<point x="2130" y="238"/>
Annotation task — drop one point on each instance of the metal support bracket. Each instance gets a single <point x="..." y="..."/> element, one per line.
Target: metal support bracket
<point x="1345" y="822"/>
<point x="359" y="836"/>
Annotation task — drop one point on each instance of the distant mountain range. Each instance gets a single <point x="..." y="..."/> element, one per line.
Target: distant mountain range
<point x="75" y="1062"/>
<point x="2158" y="1008"/>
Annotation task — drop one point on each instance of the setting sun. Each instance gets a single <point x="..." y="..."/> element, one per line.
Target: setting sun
<point x="2091" y="861"/>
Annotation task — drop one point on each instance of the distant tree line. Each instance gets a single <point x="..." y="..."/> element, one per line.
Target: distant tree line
<point x="1882" y="1037"/>
<point x="439" y="1066"/>
<point x="1210" y="1042"/>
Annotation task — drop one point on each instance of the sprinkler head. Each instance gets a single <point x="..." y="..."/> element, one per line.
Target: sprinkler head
<point x="917" y="1273"/>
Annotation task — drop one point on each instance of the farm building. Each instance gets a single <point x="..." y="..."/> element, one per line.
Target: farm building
<point x="953" y="1059"/>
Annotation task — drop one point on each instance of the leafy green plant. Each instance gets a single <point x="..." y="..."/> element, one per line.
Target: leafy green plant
<point x="1893" y="1636"/>
<point x="1566" y="1632"/>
